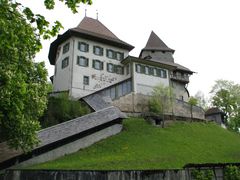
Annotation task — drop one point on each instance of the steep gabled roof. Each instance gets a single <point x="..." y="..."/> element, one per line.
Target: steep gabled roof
<point x="155" y="43"/>
<point x="95" y="26"/>
<point x="91" y="29"/>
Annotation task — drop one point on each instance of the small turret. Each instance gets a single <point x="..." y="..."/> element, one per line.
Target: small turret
<point x="156" y="49"/>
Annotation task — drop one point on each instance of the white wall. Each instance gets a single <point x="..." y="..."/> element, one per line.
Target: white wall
<point x="62" y="77"/>
<point x="144" y="83"/>
<point x="98" y="79"/>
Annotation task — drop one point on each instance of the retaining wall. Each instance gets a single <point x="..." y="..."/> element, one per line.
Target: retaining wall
<point x="183" y="174"/>
<point x="138" y="103"/>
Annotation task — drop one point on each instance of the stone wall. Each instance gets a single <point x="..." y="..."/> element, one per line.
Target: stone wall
<point x="138" y="103"/>
<point x="175" y="174"/>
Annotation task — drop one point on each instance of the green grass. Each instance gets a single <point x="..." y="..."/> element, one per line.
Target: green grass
<point x="143" y="146"/>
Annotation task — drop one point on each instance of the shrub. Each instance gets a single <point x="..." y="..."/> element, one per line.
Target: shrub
<point x="202" y="174"/>
<point x="61" y="109"/>
<point x="232" y="173"/>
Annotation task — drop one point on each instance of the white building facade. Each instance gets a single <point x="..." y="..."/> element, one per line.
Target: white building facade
<point x="90" y="58"/>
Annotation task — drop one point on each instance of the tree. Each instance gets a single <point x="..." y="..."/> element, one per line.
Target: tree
<point x="23" y="83"/>
<point x="201" y="100"/>
<point x="193" y="102"/>
<point x="226" y="96"/>
<point x="161" y="101"/>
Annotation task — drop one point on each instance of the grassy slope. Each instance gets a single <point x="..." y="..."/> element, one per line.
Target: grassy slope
<point x="142" y="146"/>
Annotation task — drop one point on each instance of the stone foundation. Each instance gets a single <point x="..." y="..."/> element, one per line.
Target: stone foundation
<point x="138" y="103"/>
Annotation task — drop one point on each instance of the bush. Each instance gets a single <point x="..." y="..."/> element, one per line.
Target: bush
<point x="61" y="109"/>
<point x="232" y="173"/>
<point x="202" y="174"/>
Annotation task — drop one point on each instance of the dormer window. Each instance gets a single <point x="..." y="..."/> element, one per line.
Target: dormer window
<point x="98" y="50"/>
<point x="66" y="48"/>
<point x="82" y="46"/>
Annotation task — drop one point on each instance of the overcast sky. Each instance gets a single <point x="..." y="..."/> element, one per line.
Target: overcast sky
<point x="204" y="33"/>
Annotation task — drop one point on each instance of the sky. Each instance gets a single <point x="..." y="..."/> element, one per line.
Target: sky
<point x="205" y="34"/>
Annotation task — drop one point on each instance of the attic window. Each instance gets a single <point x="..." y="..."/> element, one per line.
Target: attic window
<point x="163" y="52"/>
<point x="153" y="51"/>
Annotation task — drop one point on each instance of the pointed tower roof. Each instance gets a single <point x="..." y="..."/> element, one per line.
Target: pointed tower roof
<point x="154" y="43"/>
<point x="91" y="29"/>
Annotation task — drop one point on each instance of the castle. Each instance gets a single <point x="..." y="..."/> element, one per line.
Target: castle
<point x="90" y="58"/>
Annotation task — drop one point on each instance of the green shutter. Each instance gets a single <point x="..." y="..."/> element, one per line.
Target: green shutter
<point x="101" y="65"/>
<point x="87" y="47"/>
<point x="93" y="63"/>
<point x="87" y="62"/>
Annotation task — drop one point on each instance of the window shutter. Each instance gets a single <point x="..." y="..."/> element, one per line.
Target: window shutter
<point x="87" y="47"/>
<point x="101" y="65"/>
<point x="107" y="52"/>
<point x="93" y="64"/>
<point x="86" y="61"/>
<point x="78" y="60"/>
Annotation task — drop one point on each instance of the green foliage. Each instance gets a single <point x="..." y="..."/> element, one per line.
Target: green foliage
<point x="232" y="173"/>
<point x="193" y="101"/>
<point x="161" y="100"/>
<point x="61" y="109"/>
<point x="143" y="146"/>
<point x="202" y="174"/>
<point x="23" y="83"/>
<point x="226" y="96"/>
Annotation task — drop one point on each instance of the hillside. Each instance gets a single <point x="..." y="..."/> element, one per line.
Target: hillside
<point x="143" y="146"/>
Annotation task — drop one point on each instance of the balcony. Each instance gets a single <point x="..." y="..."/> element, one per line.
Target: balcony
<point x="181" y="78"/>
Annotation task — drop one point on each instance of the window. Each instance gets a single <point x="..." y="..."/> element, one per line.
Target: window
<point x="119" y="56"/>
<point x="142" y="69"/>
<point x="158" y="72"/>
<point x="146" y="70"/>
<point x="66" y="48"/>
<point x="65" y="62"/>
<point x="110" y="53"/>
<point x="82" y="61"/>
<point x="113" y="93"/>
<point x="138" y="68"/>
<point x="97" y="64"/>
<point x="151" y="71"/>
<point x="86" y="80"/>
<point x="119" y="69"/>
<point x="58" y="52"/>
<point x="119" y="90"/>
<point x="98" y="50"/>
<point x="82" y="46"/>
<point x="110" y="67"/>
<point x="161" y="73"/>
